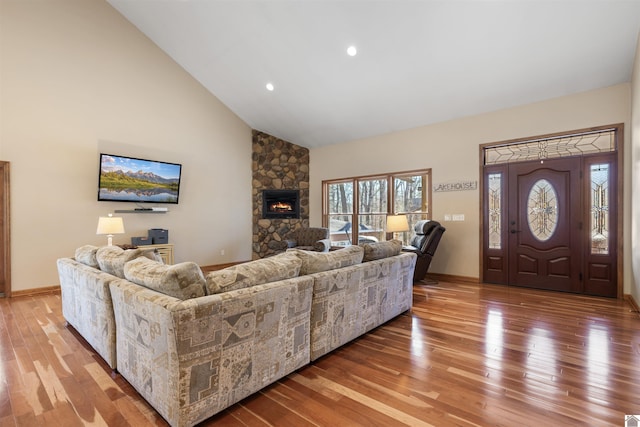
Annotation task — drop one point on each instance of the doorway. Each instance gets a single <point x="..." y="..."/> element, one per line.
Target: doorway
<point x="552" y="223"/>
<point x="5" y="227"/>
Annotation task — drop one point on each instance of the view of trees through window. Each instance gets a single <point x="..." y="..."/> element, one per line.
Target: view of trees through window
<point x="356" y="209"/>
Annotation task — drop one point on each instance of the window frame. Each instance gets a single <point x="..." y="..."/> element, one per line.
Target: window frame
<point x="425" y="211"/>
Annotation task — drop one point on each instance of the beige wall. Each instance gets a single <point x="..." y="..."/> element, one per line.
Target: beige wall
<point x="77" y="79"/>
<point x="451" y="150"/>
<point x="635" y="181"/>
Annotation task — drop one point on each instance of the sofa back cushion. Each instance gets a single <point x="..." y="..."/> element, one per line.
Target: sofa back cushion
<point x="315" y="262"/>
<point x="183" y="281"/>
<point x="258" y="272"/>
<point x="379" y="250"/>
<point x="111" y="259"/>
<point x="87" y="255"/>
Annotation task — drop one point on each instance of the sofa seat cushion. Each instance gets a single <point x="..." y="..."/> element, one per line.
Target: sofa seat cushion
<point x="258" y="272"/>
<point x="380" y="250"/>
<point x="112" y="259"/>
<point x="87" y="255"/>
<point x="183" y="281"/>
<point x="315" y="262"/>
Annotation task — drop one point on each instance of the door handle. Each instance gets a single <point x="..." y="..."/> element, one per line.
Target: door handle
<point x="515" y="231"/>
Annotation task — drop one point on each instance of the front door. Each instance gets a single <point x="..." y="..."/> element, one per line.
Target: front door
<point x="553" y="224"/>
<point x="544" y="224"/>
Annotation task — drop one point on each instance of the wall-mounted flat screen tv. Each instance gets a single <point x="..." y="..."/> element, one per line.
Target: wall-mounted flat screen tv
<point x="127" y="179"/>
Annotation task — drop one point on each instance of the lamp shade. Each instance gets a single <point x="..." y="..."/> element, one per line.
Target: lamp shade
<point x="397" y="223"/>
<point x="110" y="225"/>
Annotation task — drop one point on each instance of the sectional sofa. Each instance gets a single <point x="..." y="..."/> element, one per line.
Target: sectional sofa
<point x="193" y="344"/>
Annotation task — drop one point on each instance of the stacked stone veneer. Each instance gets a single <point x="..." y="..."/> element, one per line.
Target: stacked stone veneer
<point x="277" y="165"/>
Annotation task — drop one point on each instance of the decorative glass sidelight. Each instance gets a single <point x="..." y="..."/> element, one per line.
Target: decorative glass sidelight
<point x="600" y="209"/>
<point x="495" y="210"/>
<point x="542" y="210"/>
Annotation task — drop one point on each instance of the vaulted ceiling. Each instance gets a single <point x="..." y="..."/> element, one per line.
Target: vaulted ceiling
<point x="417" y="62"/>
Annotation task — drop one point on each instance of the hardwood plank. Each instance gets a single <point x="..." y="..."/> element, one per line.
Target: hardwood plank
<point x="237" y="415"/>
<point x="7" y="422"/>
<point x="271" y="412"/>
<point x="132" y="414"/>
<point x="5" y="401"/>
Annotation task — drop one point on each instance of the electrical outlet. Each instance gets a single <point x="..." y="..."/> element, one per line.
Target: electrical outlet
<point x="221" y="251"/>
<point x="447" y="217"/>
<point x="458" y="217"/>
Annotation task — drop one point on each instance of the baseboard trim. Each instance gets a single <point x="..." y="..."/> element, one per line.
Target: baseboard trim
<point x="452" y="278"/>
<point x="36" y="291"/>
<point x="632" y="302"/>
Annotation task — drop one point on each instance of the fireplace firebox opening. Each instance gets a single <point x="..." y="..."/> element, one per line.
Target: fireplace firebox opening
<point x="281" y="204"/>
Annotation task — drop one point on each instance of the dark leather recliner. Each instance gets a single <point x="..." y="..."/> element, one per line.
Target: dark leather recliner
<point x="424" y="244"/>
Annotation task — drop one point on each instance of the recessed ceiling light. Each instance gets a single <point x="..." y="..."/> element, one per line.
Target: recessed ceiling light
<point x="270" y="87"/>
<point x="352" y="51"/>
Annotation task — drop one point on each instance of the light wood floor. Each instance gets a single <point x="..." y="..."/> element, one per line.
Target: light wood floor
<point x="467" y="355"/>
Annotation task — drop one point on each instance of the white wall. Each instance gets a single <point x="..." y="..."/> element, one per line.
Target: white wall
<point x="635" y="170"/>
<point x="451" y="149"/>
<point x="77" y="79"/>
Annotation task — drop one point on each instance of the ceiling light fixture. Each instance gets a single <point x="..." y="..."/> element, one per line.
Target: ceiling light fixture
<point x="270" y="87"/>
<point x="352" y="51"/>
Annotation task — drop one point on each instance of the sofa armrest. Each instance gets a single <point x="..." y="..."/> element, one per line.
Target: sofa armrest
<point x="191" y="359"/>
<point x="322" y="245"/>
<point x="291" y="243"/>
<point x="87" y="306"/>
<point x="413" y="249"/>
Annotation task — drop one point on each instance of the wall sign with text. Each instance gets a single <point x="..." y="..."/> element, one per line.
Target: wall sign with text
<point x="456" y="186"/>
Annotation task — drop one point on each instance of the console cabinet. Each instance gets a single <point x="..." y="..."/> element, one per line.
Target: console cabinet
<point x="165" y="251"/>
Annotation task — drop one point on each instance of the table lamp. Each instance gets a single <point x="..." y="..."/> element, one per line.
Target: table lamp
<point x="110" y="225"/>
<point x="396" y="224"/>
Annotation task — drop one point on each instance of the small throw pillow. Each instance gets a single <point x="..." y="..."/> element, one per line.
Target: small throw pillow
<point x="87" y="255"/>
<point x="111" y="259"/>
<point x="183" y="281"/>
<point x="379" y="250"/>
<point x="266" y="270"/>
<point x="315" y="262"/>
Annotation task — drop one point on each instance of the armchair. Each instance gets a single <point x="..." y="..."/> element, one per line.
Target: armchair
<point x="310" y="239"/>
<point x="424" y="244"/>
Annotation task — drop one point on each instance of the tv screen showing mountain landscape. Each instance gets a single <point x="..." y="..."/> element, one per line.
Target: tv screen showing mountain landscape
<point x="127" y="179"/>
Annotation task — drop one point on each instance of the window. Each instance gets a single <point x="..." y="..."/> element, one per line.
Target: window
<point x="578" y="144"/>
<point x="412" y="197"/>
<point x="495" y="210"/>
<point x="338" y="211"/>
<point x="599" y="209"/>
<point x="355" y="209"/>
<point x="542" y="210"/>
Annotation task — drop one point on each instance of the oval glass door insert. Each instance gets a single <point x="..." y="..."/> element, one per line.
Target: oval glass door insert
<point x="542" y="210"/>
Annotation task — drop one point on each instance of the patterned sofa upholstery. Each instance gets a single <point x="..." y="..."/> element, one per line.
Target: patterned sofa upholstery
<point x="192" y="345"/>
<point x="86" y="298"/>
<point x="354" y="299"/>
<point x="87" y="306"/>
<point x="193" y="358"/>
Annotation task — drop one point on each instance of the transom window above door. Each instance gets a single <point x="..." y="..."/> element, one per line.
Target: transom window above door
<point x="571" y="144"/>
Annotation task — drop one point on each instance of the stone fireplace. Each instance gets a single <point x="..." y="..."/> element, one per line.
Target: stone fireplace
<point x="278" y="166"/>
